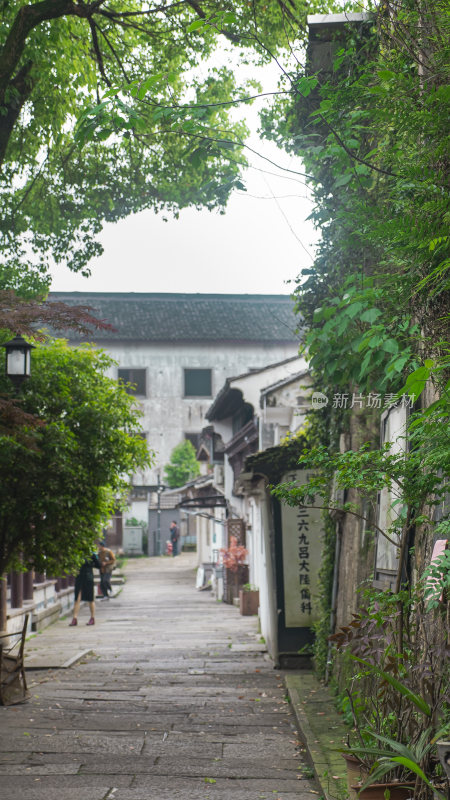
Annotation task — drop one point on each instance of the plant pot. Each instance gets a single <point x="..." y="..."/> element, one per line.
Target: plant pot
<point x="248" y="602"/>
<point x="356" y="773"/>
<point x="398" y="790"/>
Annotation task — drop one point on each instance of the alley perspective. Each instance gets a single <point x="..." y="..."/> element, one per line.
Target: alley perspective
<point x="224" y="400"/>
<point x="173" y="697"/>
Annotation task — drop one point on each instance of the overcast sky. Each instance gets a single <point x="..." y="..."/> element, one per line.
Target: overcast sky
<point x="260" y="243"/>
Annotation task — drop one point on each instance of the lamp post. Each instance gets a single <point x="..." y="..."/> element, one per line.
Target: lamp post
<point x="158" y="518"/>
<point x="18" y="367"/>
<point x="18" y="360"/>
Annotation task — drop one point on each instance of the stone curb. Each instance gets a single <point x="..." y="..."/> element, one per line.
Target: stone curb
<point x="65" y="665"/>
<point x="322" y="731"/>
<point x="77" y="657"/>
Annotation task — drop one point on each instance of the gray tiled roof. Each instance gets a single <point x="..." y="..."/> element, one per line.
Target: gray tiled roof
<point x="189" y="317"/>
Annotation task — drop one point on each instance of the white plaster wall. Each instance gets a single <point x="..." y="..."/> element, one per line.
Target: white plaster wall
<point x="220" y="529"/>
<point x="203" y="540"/>
<point x="257" y="570"/>
<point x="393" y="430"/>
<point x="138" y="509"/>
<point x="252" y="384"/>
<point x="211" y="536"/>
<point x="286" y="415"/>
<point x="286" y="396"/>
<point x="167" y="415"/>
<point x="268" y="598"/>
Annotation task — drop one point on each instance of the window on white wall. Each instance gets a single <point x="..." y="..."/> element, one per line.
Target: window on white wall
<point x="137" y="379"/>
<point x="194" y="439"/>
<point x="197" y="383"/>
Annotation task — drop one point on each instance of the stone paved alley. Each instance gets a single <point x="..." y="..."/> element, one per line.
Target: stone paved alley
<point x="177" y="699"/>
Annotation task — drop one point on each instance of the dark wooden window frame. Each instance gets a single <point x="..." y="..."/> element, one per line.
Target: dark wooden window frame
<point x="139" y="379"/>
<point x="188" y="374"/>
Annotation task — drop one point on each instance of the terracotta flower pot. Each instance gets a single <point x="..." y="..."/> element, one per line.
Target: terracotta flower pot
<point x="356" y="773"/>
<point x="248" y="602"/>
<point x="376" y="791"/>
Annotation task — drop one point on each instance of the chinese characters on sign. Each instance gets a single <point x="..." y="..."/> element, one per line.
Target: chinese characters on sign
<point x="302" y="536"/>
<point x="372" y="400"/>
<point x="356" y="400"/>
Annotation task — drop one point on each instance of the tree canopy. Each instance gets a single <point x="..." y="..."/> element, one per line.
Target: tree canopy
<point x="183" y="466"/>
<point x="27" y="317"/>
<point x="59" y="56"/>
<point x="61" y="479"/>
<point x="372" y="130"/>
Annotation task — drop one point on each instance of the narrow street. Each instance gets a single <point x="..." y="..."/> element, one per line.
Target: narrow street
<point x="177" y="699"/>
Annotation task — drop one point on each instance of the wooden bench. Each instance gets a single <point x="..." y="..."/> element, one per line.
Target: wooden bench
<point x="13" y="684"/>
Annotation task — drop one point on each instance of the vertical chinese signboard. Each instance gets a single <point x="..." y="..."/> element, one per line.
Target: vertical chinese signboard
<point x="302" y="539"/>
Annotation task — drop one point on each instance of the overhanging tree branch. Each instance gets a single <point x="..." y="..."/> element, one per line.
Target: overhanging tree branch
<point x="97" y="51"/>
<point x="27" y="18"/>
<point x="21" y="86"/>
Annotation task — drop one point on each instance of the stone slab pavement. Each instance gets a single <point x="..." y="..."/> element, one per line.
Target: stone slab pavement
<point x="169" y="696"/>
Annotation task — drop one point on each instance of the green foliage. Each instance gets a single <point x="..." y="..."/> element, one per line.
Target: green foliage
<point x="136" y="523"/>
<point x="183" y="465"/>
<point x="372" y="131"/>
<point x="437" y="580"/>
<point x="61" y="480"/>
<point x="369" y="471"/>
<point x="353" y="322"/>
<point x="413" y="698"/>
<point x="391" y="755"/>
<point x="374" y="136"/>
<point x="398" y="695"/>
<point x="275" y="461"/>
<point x="322" y="626"/>
<point x="124" y="72"/>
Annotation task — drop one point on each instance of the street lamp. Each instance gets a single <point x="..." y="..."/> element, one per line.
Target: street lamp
<point x="158" y="517"/>
<point x="18" y="360"/>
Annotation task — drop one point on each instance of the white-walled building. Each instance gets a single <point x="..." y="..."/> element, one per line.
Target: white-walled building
<point x="178" y="350"/>
<point x="256" y="410"/>
<point x="252" y="412"/>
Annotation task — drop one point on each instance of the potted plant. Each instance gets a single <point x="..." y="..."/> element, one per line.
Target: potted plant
<point x="399" y="701"/>
<point x="248" y="600"/>
<point x="234" y="559"/>
<point x="396" y="767"/>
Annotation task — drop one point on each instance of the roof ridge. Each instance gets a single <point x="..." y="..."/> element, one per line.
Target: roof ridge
<point x="173" y="295"/>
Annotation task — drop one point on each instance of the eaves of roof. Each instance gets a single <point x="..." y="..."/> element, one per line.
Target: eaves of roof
<point x="285" y="382"/>
<point x="196" y="483"/>
<point x="259" y="370"/>
<point x="225" y="404"/>
<point x="229" y="398"/>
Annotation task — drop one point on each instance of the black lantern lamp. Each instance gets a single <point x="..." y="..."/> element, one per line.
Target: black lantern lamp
<point x="18" y="360"/>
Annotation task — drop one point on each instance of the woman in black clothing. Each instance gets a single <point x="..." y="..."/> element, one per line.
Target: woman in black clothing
<point x="84" y="588"/>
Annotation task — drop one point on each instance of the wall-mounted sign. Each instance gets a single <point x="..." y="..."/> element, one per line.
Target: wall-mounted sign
<point x="132" y="541"/>
<point x="302" y="538"/>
